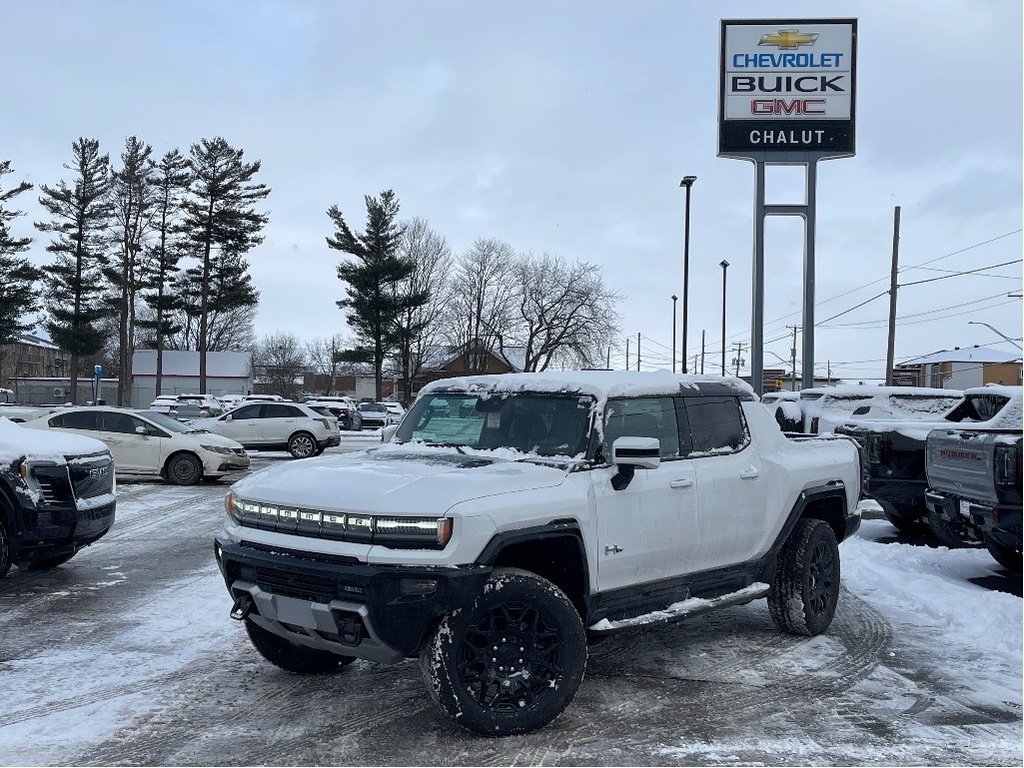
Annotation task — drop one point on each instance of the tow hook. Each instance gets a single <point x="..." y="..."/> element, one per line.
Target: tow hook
<point x="242" y="607"/>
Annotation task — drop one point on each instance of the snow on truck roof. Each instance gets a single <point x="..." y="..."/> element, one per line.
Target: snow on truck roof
<point x="600" y="384"/>
<point x="39" y="444"/>
<point x="853" y="391"/>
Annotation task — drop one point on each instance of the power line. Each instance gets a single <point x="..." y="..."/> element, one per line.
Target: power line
<point x="961" y="274"/>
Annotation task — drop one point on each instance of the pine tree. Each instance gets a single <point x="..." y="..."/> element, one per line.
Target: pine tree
<point x="219" y="214"/>
<point x="81" y="215"/>
<point x="169" y="181"/>
<point x="133" y="198"/>
<point x="374" y="300"/>
<point x="18" y="296"/>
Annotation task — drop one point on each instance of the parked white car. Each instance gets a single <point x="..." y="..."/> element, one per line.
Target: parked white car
<point x="149" y="443"/>
<point x="163" y="403"/>
<point x="231" y="401"/>
<point x="206" y="405"/>
<point x="395" y="409"/>
<point x="276" y="426"/>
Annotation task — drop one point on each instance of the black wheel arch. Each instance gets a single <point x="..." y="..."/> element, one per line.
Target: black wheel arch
<point x="554" y="551"/>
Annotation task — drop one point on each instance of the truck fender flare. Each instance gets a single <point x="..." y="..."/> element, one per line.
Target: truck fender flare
<point x="807" y="497"/>
<point x="556" y="529"/>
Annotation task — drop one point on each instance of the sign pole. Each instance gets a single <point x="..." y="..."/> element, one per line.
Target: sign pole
<point x="757" y="278"/>
<point x="809" y="221"/>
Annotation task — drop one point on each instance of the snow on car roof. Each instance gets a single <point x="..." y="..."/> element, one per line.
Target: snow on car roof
<point x="601" y="384"/>
<point x="1014" y="393"/>
<point x="39" y="444"/>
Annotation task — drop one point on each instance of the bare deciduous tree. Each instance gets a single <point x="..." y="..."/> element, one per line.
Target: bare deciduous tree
<point x="483" y="297"/>
<point x="420" y="328"/>
<point x="325" y="357"/>
<point x="279" y="359"/>
<point x="564" y="312"/>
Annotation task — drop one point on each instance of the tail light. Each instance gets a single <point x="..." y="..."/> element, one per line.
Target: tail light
<point x="814" y="425"/>
<point x="1007" y="465"/>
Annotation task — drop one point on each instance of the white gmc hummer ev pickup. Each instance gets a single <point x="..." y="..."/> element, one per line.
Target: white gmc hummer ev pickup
<point x="512" y="517"/>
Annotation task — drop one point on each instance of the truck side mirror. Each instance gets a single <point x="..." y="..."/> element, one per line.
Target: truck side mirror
<point x="628" y="453"/>
<point x="388" y="432"/>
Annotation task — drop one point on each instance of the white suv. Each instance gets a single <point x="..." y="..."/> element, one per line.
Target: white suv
<point x="276" y="426"/>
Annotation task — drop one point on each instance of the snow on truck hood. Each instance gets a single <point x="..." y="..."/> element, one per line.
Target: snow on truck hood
<point x="395" y="480"/>
<point x="42" y="445"/>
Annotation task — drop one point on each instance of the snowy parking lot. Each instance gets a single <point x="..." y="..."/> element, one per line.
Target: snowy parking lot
<point x="126" y="655"/>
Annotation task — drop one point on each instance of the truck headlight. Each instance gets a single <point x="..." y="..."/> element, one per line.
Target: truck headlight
<point x="424" y="531"/>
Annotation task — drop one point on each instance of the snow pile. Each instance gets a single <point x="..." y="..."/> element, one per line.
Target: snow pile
<point x="929" y="587"/>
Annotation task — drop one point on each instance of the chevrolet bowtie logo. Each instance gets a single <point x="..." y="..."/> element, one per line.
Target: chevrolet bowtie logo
<point x="789" y="39"/>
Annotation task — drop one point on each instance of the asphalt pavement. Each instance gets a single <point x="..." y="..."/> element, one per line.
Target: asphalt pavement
<point x="126" y="656"/>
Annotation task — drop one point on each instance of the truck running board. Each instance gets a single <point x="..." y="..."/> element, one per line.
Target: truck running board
<point x="693" y="606"/>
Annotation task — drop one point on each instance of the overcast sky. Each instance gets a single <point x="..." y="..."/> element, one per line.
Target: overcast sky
<point x="562" y="127"/>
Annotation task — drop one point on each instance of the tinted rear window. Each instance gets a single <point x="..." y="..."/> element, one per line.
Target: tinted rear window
<point x="715" y="423"/>
<point x="75" y="420"/>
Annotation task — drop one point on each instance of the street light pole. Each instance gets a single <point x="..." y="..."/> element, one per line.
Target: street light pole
<point x="674" y="299"/>
<point x="724" y="265"/>
<point x="996" y="331"/>
<point x="687" y="182"/>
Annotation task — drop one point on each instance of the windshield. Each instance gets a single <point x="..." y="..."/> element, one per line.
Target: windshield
<point x="978" y="408"/>
<point x="372" y="407"/>
<point x="171" y="425"/>
<point x="541" y="424"/>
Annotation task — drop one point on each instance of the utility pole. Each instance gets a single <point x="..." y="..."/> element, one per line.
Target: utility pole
<point x="627" y="353"/>
<point x="891" y="350"/>
<point x="792" y="352"/>
<point x="696" y="357"/>
<point x="638" y="350"/>
<point x="702" y="352"/>
<point x="738" y="361"/>
<point x="608" y="364"/>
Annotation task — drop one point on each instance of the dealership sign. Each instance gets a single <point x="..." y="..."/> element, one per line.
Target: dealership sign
<point x="787" y="87"/>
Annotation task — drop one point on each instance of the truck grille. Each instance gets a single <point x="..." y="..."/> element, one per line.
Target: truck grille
<point x="319" y="589"/>
<point x="91" y="475"/>
<point x="54" y="486"/>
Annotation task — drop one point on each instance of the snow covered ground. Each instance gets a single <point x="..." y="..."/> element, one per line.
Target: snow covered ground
<point x="126" y="655"/>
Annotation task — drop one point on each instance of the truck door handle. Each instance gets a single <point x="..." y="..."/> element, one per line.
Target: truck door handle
<point x="612" y="549"/>
<point x="684" y="482"/>
<point x="750" y="474"/>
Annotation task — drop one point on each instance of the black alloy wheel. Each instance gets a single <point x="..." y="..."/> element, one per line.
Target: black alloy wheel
<point x="510" y="662"/>
<point x="805" y="588"/>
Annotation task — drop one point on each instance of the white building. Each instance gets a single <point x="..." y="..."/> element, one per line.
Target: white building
<point x="226" y="373"/>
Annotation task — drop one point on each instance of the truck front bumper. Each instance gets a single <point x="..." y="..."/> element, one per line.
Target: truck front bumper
<point x="337" y="604"/>
<point x="54" y="530"/>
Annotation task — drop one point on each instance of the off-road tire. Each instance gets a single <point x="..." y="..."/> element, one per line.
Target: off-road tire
<point x="5" y="550"/>
<point x="292" y="657"/>
<point x="943" y="531"/>
<point x="475" y="658"/>
<point x="805" y="588"/>
<point x="1010" y="559"/>
<point x="46" y="563"/>
<point x="185" y="469"/>
<point x="302" y="445"/>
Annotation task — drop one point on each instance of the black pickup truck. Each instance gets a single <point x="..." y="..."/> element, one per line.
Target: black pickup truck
<point x="56" y="495"/>
<point x="974" y="490"/>
<point x="893" y="452"/>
